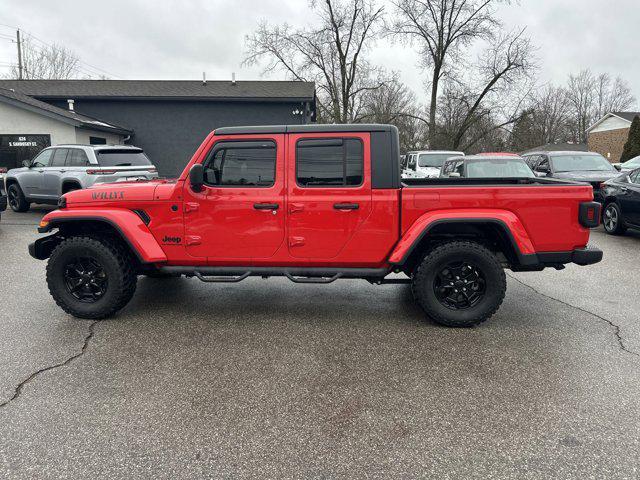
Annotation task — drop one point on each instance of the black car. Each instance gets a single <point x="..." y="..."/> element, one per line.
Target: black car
<point x="622" y="203"/>
<point x="588" y="167"/>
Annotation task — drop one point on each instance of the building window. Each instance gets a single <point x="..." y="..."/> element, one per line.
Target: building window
<point x="97" y="141"/>
<point x="329" y="162"/>
<point x="242" y="164"/>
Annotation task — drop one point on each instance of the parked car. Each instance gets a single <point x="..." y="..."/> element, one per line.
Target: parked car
<point x="301" y="202"/>
<point x="622" y="203"/>
<point x="588" y="167"/>
<point x="427" y="163"/>
<point x="485" y="166"/>
<point x="629" y="165"/>
<point x="63" y="168"/>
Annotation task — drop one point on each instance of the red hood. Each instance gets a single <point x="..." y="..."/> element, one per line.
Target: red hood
<point x="120" y="191"/>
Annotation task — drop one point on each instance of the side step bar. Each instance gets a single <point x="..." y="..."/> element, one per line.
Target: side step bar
<point x="296" y="275"/>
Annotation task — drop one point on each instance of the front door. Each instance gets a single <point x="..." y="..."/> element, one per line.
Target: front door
<point x="239" y="215"/>
<point x="329" y="192"/>
<point x="31" y="180"/>
<point x="630" y="201"/>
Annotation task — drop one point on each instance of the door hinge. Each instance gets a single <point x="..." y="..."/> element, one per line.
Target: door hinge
<point x="193" y="240"/>
<point x="191" y="207"/>
<point x="296" y="241"/>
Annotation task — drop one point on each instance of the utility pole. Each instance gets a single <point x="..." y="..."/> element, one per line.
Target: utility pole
<point x="19" y="42"/>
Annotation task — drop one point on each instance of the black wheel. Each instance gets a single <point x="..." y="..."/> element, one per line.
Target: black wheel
<point x="612" y="220"/>
<point x="91" y="277"/>
<point x="459" y="284"/>
<point x="16" y="198"/>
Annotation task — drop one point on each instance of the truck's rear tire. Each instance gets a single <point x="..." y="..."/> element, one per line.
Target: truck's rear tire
<point x="91" y="277"/>
<point x="459" y="284"/>
<point x="17" y="200"/>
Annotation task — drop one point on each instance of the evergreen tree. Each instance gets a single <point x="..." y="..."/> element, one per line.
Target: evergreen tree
<point x="632" y="147"/>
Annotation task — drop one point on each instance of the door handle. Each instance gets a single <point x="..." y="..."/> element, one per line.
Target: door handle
<point x="266" y="206"/>
<point x="346" y="206"/>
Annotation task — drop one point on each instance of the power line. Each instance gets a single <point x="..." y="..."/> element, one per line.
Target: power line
<point x="87" y="67"/>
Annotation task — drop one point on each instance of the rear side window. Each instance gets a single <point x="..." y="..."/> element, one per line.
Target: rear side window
<point x="242" y="164"/>
<point x="77" y="158"/>
<point x="59" y="157"/>
<point x="122" y="158"/>
<point x="329" y="163"/>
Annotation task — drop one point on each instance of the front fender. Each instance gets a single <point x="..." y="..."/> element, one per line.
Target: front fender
<point x="129" y="225"/>
<point x="507" y="220"/>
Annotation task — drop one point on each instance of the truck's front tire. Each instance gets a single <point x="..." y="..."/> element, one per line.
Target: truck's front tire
<point x="459" y="284"/>
<point x="91" y="277"/>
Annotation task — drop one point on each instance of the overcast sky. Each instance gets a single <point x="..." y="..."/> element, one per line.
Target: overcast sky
<point x="151" y="39"/>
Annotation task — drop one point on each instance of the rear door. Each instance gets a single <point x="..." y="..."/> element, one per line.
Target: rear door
<point x="51" y="179"/>
<point x="329" y="192"/>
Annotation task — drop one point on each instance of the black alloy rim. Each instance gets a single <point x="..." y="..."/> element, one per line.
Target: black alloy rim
<point x="85" y="279"/>
<point x="460" y="285"/>
<point x="610" y="218"/>
<point x="13" y="198"/>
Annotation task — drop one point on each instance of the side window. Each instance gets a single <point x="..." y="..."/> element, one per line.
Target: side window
<point x="459" y="168"/>
<point x="59" y="157"/>
<point x="532" y="160"/>
<point x="43" y="159"/>
<point x="447" y="168"/>
<point x="77" y="158"/>
<point x="412" y="161"/>
<point x="330" y="163"/>
<point x="242" y="164"/>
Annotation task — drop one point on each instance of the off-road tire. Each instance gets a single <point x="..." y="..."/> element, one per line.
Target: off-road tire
<point x="19" y="203"/>
<point x="619" y="228"/>
<point x="115" y="260"/>
<point x="424" y="278"/>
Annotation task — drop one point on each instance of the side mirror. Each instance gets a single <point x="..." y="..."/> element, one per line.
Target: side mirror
<point x="26" y="163"/>
<point x="618" y="167"/>
<point x="196" y="177"/>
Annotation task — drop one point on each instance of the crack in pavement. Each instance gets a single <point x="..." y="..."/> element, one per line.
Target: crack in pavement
<point x="18" y="389"/>
<point x="616" y="328"/>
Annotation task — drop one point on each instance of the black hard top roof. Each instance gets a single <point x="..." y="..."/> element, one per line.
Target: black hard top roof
<point x="312" y="128"/>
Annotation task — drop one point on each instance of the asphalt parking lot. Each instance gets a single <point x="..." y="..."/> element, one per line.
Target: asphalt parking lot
<point x="267" y="379"/>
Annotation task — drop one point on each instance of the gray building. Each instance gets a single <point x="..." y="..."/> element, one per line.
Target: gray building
<point x="168" y="118"/>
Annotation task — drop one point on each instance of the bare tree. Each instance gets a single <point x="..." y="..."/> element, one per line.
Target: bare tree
<point x="393" y="103"/>
<point x="593" y="96"/>
<point x="332" y="55"/>
<point x="504" y="85"/>
<point x="442" y="28"/>
<point x="46" y="62"/>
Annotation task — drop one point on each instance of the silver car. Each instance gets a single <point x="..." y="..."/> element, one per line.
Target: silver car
<point x="62" y="168"/>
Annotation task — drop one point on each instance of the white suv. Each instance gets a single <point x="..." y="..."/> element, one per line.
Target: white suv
<point x="427" y="163"/>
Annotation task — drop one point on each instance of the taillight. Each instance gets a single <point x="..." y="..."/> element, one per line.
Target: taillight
<point x="152" y="170"/>
<point x="589" y="214"/>
<point x="101" y="172"/>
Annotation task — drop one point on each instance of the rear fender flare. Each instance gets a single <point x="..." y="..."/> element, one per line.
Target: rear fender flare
<point x="506" y="220"/>
<point x="125" y="222"/>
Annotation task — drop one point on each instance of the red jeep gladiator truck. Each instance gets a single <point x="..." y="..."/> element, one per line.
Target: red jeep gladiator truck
<point x="314" y="203"/>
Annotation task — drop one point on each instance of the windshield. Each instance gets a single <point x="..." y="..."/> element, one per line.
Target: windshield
<point x="434" y="159"/>
<point x="499" y="168"/>
<point x="584" y="163"/>
<point x="633" y="163"/>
